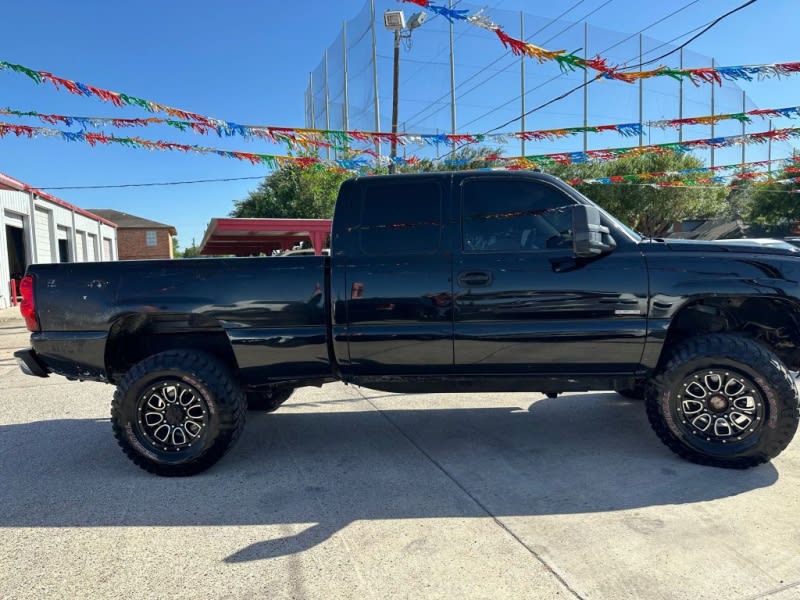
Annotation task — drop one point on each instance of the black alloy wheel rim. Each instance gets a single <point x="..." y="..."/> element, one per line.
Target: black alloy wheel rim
<point x="719" y="406"/>
<point x="172" y="416"/>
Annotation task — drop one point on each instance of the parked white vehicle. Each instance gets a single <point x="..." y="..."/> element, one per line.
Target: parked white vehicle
<point x="762" y="242"/>
<point x="305" y="252"/>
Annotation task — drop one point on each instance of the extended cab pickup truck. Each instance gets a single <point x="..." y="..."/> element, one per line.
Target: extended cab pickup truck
<point x="444" y="282"/>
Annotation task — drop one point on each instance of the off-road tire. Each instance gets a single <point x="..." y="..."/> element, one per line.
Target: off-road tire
<point x="269" y="400"/>
<point x="772" y="386"/>
<point x="217" y="395"/>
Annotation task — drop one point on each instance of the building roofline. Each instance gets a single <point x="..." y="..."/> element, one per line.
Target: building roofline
<point x="126" y="220"/>
<point x="24" y="187"/>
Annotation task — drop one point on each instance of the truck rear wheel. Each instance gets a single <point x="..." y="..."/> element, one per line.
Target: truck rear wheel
<point x="723" y="400"/>
<point x="178" y="412"/>
<point x="268" y="400"/>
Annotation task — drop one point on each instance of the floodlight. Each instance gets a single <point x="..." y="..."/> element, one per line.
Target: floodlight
<point x="416" y="20"/>
<point x="394" y="20"/>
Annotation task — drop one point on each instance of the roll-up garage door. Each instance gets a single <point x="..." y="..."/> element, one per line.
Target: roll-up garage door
<point x="80" y="245"/>
<point x="108" y="252"/>
<point x="91" y="248"/>
<point x="44" y="252"/>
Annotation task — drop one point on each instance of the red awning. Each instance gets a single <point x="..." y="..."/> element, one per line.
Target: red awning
<point x="253" y="237"/>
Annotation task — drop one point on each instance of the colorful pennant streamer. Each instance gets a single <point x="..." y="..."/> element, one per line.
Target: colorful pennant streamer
<point x="94" y="139"/>
<point x="719" y="174"/>
<point x="568" y="61"/>
<point x="116" y="98"/>
<point x="685" y="146"/>
<point x="305" y="138"/>
<point x="340" y="139"/>
<point x="353" y="163"/>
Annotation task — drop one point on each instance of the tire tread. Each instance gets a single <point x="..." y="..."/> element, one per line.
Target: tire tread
<point x="217" y="378"/>
<point x="744" y="350"/>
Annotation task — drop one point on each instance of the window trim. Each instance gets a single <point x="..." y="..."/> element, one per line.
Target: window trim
<point x="570" y="201"/>
<point x="362" y="199"/>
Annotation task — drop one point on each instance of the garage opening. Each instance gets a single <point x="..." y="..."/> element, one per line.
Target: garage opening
<point x="15" y="243"/>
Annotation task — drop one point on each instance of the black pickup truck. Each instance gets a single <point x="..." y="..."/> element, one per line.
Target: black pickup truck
<point x="444" y="282"/>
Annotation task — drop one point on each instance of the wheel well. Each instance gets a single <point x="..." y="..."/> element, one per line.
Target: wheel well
<point x="135" y="337"/>
<point x="774" y="322"/>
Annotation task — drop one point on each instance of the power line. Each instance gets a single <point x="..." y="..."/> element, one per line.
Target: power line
<point x="694" y="37"/>
<point x="152" y="184"/>
<point x="653" y="24"/>
<point x="599" y="76"/>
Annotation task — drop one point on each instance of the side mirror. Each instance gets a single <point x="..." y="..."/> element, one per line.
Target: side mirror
<point x="589" y="237"/>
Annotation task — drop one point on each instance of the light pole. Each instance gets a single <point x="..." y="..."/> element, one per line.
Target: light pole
<point x="395" y="21"/>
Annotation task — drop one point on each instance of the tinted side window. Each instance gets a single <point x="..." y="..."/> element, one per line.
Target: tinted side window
<point x="509" y="216"/>
<point x="400" y="218"/>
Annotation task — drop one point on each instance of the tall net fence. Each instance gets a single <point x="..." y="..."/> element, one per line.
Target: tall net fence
<point x="351" y="87"/>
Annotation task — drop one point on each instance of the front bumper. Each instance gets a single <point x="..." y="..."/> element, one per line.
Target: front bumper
<point x="29" y="363"/>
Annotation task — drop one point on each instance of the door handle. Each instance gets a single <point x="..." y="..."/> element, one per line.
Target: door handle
<point x="475" y="279"/>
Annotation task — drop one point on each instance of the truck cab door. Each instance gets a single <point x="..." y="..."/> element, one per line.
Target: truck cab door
<point x="391" y="278"/>
<point x="523" y="303"/>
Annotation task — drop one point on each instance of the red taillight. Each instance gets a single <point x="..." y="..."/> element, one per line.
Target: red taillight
<point x="28" y="305"/>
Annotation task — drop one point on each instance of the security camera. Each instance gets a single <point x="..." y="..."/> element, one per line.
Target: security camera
<point x="417" y="19"/>
<point x="394" y="20"/>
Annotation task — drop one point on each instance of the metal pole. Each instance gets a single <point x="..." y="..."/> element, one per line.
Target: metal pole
<point x="346" y="107"/>
<point x="641" y="90"/>
<point x="586" y="86"/>
<point x="744" y="131"/>
<point x="452" y="80"/>
<point x="769" y="150"/>
<point x="327" y="105"/>
<point x="713" y="64"/>
<point x="395" y="95"/>
<point x="680" y="100"/>
<point x="522" y="83"/>
<point x="375" y="99"/>
<point x="311" y="92"/>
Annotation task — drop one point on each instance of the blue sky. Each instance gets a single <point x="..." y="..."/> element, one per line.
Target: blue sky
<point x="249" y="62"/>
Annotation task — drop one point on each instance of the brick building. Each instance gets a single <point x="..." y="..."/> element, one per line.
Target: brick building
<point x="139" y="238"/>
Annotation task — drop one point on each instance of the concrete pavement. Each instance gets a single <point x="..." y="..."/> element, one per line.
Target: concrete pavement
<point x="352" y="493"/>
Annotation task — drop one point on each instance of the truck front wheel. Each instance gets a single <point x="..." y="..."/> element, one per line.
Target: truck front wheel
<point x="178" y="412"/>
<point x="723" y="400"/>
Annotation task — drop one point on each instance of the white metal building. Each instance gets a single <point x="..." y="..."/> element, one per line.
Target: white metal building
<point x="36" y="227"/>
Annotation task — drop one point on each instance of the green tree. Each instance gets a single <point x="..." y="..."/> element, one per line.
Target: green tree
<point x="192" y="251"/>
<point x="293" y="192"/>
<point x="649" y="210"/>
<point x="462" y="159"/>
<point x="775" y="207"/>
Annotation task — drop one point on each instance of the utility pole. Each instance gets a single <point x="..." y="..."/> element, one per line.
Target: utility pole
<point x="713" y="157"/>
<point x="522" y="82"/>
<point x="680" y="99"/>
<point x="586" y="87"/>
<point x="375" y="100"/>
<point x="346" y="104"/>
<point x="744" y="131"/>
<point x="641" y="90"/>
<point x="395" y="100"/>
<point x="327" y="104"/>
<point x="452" y="80"/>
